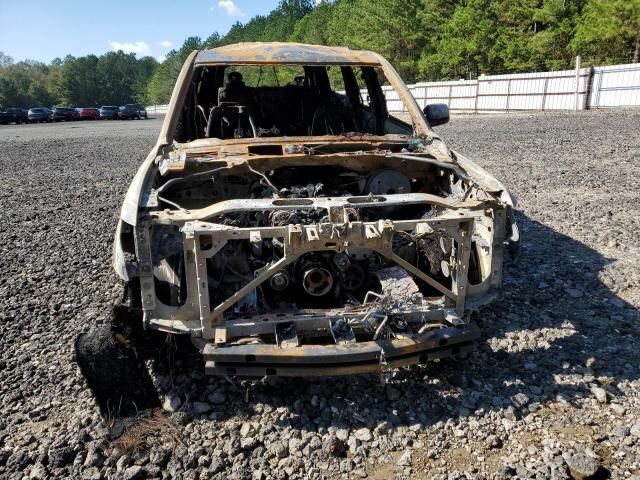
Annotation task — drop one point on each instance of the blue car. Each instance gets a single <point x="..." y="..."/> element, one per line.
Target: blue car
<point x="109" y="112"/>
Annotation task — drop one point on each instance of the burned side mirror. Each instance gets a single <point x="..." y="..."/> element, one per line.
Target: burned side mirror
<point x="436" y="114"/>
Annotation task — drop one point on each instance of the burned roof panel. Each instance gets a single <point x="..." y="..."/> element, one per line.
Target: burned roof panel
<point x="287" y="53"/>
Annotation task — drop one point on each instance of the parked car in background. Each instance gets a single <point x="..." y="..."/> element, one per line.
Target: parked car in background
<point x="13" y="115"/>
<point x="108" y="112"/>
<point x="143" y="112"/>
<point x="130" y="111"/>
<point x="63" y="113"/>
<point x="89" y="113"/>
<point x="41" y="114"/>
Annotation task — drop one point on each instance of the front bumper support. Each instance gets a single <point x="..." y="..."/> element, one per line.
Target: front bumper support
<point x="258" y="360"/>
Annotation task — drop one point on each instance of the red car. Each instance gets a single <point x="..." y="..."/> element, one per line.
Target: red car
<point x="88" y="113"/>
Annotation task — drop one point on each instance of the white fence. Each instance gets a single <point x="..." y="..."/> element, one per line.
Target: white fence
<point x="616" y="86"/>
<point x="579" y="89"/>
<point x="155" y="109"/>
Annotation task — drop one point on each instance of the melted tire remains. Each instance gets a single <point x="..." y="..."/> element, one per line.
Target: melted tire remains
<point x="118" y="379"/>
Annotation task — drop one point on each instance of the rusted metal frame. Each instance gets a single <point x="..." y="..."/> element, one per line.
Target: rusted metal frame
<point x="497" y="251"/>
<point x="192" y="326"/>
<point x="289" y="53"/>
<point x="299" y="240"/>
<point x="457" y="294"/>
<point x="318" y="322"/>
<point x="175" y="318"/>
<point x="234" y="233"/>
<point x="301" y="370"/>
<point x="421" y="275"/>
<point x="336" y="369"/>
<point x="340" y="353"/>
<point x="187" y="317"/>
<point x="192" y="244"/>
<point x="145" y="270"/>
<point x="297" y="54"/>
<point x="224" y="232"/>
<point x="258" y="204"/>
<point x="223" y="149"/>
<point x="437" y="222"/>
<point x="249" y="370"/>
<point x="287" y="63"/>
<point x="420" y="123"/>
<point x="180" y="89"/>
<point x="460" y="273"/>
<point x="216" y="314"/>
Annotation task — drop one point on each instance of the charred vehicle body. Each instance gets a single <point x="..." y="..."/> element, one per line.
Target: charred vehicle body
<point x="291" y="226"/>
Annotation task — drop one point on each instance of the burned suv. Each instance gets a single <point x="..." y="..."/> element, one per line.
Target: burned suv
<point x="291" y="226"/>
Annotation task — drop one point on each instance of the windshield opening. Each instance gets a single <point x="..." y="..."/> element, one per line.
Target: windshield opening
<point x="253" y="101"/>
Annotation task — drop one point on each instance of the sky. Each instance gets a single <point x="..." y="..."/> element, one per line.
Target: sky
<point x="43" y="30"/>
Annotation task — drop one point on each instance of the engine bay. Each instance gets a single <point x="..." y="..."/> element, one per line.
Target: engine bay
<point x="318" y="279"/>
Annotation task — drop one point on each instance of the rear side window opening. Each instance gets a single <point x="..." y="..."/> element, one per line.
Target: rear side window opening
<point x="251" y="101"/>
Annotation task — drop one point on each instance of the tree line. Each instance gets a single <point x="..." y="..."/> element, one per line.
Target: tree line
<point x="423" y="39"/>
<point x="111" y="79"/>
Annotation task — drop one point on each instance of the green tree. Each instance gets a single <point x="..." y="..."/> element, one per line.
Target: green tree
<point x="312" y="28"/>
<point x="281" y="22"/>
<point x="5" y="60"/>
<point x="212" y="41"/>
<point x="393" y="28"/>
<point x="160" y="84"/>
<point x="464" y="46"/>
<point x="608" y="31"/>
<point x="554" y="25"/>
<point x="25" y="84"/>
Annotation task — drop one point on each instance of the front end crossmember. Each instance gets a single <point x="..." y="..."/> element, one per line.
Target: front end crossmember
<point x="379" y="332"/>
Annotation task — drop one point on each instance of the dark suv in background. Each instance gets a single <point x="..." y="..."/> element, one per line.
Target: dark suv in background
<point x="63" y="113"/>
<point x="130" y="111"/>
<point x="14" y="115"/>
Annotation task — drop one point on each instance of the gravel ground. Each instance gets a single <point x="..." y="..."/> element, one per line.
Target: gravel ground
<point x="552" y="392"/>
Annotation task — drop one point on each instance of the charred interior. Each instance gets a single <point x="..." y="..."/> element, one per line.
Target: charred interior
<point x="245" y="101"/>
